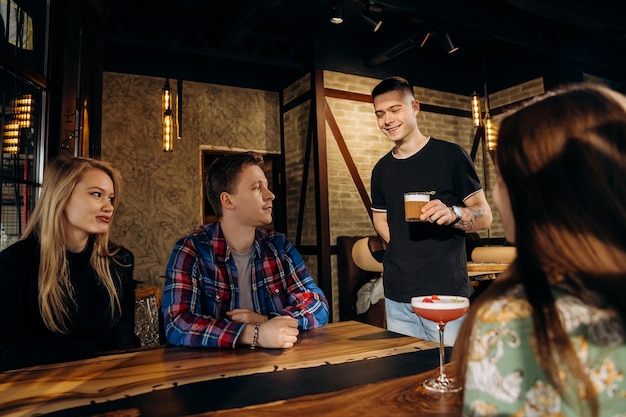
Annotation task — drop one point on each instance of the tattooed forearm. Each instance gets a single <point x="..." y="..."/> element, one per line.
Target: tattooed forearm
<point x="468" y="224"/>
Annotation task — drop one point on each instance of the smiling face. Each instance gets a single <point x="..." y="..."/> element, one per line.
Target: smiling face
<point x="252" y="199"/>
<point x="396" y="113"/>
<point x="89" y="209"/>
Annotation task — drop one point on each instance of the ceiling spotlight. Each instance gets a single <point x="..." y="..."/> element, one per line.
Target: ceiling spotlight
<point x="374" y="23"/>
<point x="336" y="15"/>
<point x="424" y="38"/>
<point x="449" y="45"/>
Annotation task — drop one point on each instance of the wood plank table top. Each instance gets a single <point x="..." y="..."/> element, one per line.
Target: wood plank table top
<point x="404" y="396"/>
<point x="358" y="361"/>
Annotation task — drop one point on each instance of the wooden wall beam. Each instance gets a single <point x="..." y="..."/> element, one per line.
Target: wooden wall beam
<point x="321" y="190"/>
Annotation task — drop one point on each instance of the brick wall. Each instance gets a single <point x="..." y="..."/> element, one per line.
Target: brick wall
<point x="162" y="191"/>
<point x="366" y="145"/>
<point x="162" y="196"/>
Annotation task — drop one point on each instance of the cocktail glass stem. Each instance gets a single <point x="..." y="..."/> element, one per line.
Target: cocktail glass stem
<point x="442" y="374"/>
<point x="442" y="383"/>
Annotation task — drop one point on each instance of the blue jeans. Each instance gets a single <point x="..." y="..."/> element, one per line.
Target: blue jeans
<point x="402" y="319"/>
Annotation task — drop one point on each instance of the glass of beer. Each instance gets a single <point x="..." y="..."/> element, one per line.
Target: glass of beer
<point x="413" y="203"/>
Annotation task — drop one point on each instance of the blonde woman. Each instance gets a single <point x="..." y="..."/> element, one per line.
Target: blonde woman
<point x="548" y="338"/>
<point x="67" y="291"/>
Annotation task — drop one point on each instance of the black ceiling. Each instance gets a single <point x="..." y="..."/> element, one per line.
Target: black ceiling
<point x="268" y="44"/>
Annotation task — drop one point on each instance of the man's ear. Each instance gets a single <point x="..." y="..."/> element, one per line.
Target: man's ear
<point x="416" y="107"/>
<point x="226" y="201"/>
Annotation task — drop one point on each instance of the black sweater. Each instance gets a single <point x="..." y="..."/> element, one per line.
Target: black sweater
<point x="25" y="340"/>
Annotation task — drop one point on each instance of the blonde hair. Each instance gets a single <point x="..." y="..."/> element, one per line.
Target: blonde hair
<point x="563" y="159"/>
<point x="46" y="222"/>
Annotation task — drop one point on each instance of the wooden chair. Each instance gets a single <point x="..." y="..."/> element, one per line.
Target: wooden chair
<point x="352" y="278"/>
<point x="148" y="321"/>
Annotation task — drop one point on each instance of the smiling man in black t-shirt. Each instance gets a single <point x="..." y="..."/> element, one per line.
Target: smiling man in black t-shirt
<point x="426" y="257"/>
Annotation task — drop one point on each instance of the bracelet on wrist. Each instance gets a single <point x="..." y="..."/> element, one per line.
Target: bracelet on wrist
<point x="255" y="336"/>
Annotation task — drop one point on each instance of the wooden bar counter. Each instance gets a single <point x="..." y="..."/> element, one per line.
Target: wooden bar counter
<point x="342" y="369"/>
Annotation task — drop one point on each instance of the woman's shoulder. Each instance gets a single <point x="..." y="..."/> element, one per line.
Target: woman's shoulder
<point x="22" y="247"/>
<point x="19" y="263"/>
<point x="587" y="313"/>
<point x="510" y="306"/>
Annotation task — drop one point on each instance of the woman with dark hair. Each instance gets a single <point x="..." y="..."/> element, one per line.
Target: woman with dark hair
<point x="549" y="336"/>
<point x="68" y="292"/>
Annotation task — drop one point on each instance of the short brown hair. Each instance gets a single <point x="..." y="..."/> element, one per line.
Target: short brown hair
<point x="394" y="83"/>
<point x="223" y="175"/>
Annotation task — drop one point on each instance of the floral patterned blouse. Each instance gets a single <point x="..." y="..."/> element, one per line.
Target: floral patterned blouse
<point x="503" y="376"/>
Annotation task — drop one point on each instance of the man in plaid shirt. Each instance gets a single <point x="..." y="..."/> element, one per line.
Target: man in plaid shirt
<point x="233" y="283"/>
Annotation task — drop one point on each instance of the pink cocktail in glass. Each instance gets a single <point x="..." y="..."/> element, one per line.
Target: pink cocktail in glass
<point x="443" y="309"/>
<point x="440" y="309"/>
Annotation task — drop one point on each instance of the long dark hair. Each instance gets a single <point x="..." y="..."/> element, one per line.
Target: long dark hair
<point x="563" y="160"/>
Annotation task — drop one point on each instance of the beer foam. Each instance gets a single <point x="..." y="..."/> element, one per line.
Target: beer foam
<point x="416" y="197"/>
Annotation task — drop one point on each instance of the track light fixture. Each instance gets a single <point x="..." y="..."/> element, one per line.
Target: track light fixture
<point x="388" y="52"/>
<point x="373" y="22"/>
<point x="336" y="15"/>
<point x="416" y="37"/>
<point x="449" y="45"/>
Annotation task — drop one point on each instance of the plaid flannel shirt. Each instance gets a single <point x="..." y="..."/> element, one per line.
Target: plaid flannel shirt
<point x="200" y="287"/>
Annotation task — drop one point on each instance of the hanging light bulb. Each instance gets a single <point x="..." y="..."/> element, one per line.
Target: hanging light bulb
<point x="168" y="118"/>
<point x="491" y="132"/>
<point x="21" y="111"/>
<point x="11" y="140"/>
<point x="477" y="116"/>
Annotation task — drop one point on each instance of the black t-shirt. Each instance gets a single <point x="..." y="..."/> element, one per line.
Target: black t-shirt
<point x="424" y="258"/>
